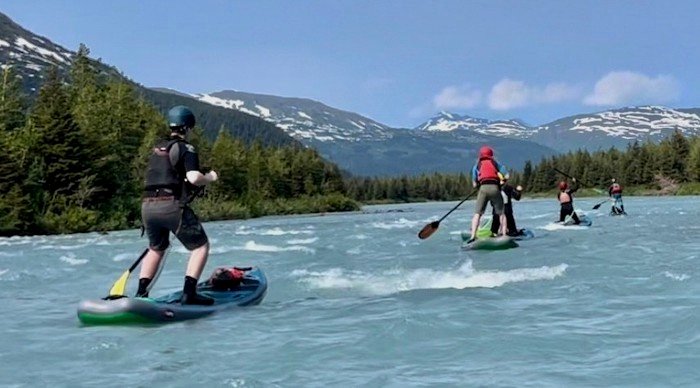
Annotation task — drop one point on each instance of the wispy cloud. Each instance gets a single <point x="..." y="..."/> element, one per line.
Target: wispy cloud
<point x="453" y="97"/>
<point x="510" y="94"/>
<point x="627" y="87"/>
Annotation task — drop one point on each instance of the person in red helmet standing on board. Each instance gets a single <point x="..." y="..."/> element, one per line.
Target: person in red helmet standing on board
<point x="487" y="174"/>
<point x="566" y="200"/>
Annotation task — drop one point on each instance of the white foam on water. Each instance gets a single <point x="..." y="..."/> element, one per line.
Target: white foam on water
<point x="242" y="230"/>
<point x="70" y="259"/>
<point x="353" y="251"/>
<point x="537" y="217"/>
<point x="3" y="271"/>
<point x="360" y="236"/>
<point x="302" y="241"/>
<point x="398" y="224"/>
<point x="62" y="247"/>
<point x="280" y="232"/>
<point x="674" y="276"/>
<point x="125" y="256"/>
<point x="15" y="241"/>
<point x="559" y="226"/>
<point x="272" y="232"/>
<point x="255" y="247"/>
<point x="389" y="282"/>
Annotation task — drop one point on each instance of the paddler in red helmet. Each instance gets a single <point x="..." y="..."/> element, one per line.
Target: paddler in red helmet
<point x="487" y="174"/>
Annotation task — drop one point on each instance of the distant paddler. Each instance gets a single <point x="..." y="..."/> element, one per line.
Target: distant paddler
<point x="566" y="201"/>
<point x="615" y="192"/>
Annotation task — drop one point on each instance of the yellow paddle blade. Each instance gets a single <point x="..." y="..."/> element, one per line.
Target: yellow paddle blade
<point x="119" y="286"/>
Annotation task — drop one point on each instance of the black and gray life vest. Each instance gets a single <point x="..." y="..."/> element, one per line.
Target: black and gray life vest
<point x="162" y="168"/>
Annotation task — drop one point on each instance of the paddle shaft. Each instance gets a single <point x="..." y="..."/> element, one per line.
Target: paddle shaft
<point x="458" y="205"/>
<point x="138" y="261"/>
<point x="599" y="204"/>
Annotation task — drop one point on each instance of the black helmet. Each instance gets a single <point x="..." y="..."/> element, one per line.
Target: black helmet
<point x="180" y="117"/>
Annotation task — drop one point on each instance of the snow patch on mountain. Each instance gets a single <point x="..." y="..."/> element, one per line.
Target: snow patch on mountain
<point x="635" y="122"/>
<point x="303" y="119"/>
<point x="448" y="122"/>
<point x="231" y="104"/>
<point x="25" y="45"/>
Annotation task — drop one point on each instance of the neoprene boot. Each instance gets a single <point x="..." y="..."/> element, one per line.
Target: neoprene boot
<point x="143" y="288"/>
<point x="190" y="296"/>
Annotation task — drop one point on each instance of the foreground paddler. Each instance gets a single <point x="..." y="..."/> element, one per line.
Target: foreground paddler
<point x="173" y="175"/>
<point x="486" y="176"/>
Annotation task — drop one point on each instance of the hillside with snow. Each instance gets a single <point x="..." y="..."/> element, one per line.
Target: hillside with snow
<point x="592" y="131"/>
<point x="617" y="128"/>
<point x="366" y="147"/>
<point x="30" y="54"/>
<point x="449" y="122"/>
<point x="303" y="119"/>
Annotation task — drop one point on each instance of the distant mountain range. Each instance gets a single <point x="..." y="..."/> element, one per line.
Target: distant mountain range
<point x="446" y="143"/>
<point x="366" y="147"/>
<point x="30" y="55"/>
<point x="601" y="130"/>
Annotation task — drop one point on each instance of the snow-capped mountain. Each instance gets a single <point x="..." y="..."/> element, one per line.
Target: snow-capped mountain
<point x="592" y="131"/>
<point x="617" y="128"/>
<point x="366" y="147"/>
<point x="29" y="53"/>
<point x="448" y="122"/>
<point x="303" y="119"/>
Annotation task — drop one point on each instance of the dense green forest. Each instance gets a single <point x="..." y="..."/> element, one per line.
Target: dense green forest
<point x="73" y="159"/>
<point x="669" y="167"/>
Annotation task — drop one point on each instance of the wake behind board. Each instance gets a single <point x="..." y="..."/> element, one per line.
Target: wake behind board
<point x="525" y="234"/>
<point x="491" y="244"/>
<point x="615" y="211"/>
<point x="585" y="221"/>
<point x="167" y="308"/>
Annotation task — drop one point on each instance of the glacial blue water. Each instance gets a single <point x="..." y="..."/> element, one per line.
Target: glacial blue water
<point x="357" y="299"/>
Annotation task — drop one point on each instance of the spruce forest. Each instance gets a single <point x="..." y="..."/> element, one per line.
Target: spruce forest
<point x="73" y="160"/>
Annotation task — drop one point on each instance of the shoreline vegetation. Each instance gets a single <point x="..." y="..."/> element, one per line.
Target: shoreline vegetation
<point x="74" y="157"/>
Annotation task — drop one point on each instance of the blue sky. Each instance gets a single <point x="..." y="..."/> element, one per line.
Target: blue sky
<point x="398" y="61"/>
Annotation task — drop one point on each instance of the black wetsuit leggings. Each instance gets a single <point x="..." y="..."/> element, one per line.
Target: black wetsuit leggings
<point x="568" y="209"/>
<point x="510" y="220"/>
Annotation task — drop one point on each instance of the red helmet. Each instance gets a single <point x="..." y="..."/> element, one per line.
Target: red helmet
<point x="486" y="152"/>
<point x="563" y="185"/>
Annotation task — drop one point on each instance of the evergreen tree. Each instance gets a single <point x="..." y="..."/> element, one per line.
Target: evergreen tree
<point x="60" y="144"/>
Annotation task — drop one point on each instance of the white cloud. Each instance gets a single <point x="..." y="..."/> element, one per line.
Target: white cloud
<point x="509" y="94"/>
<point x="453" y="97"/>
<point x="627" y="87"/>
